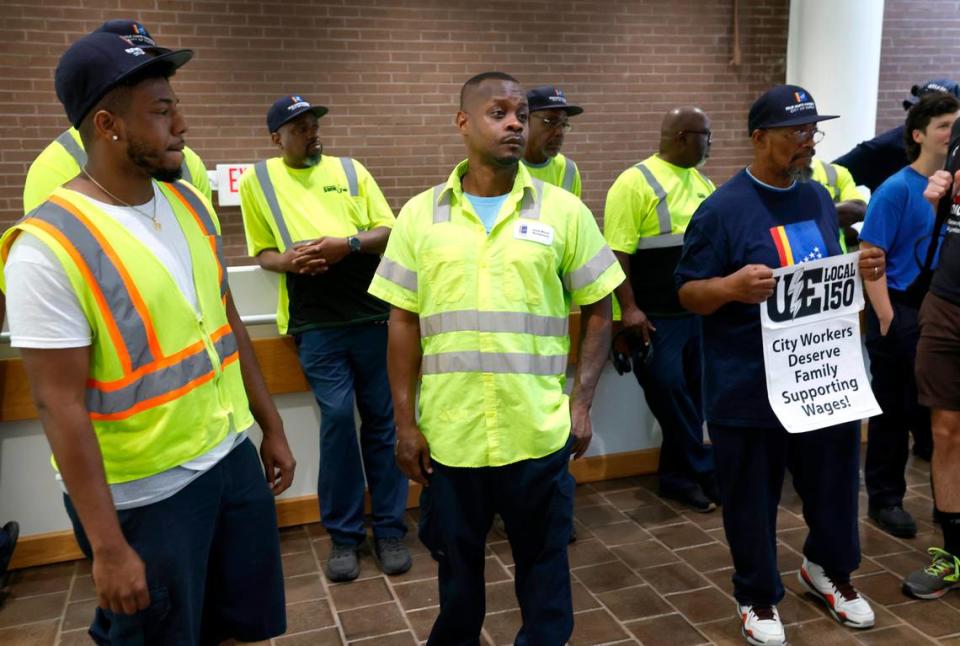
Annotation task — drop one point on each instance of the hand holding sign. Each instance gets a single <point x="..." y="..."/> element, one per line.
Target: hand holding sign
<point x="752" y="284"/>
<point x="873" y="263"/>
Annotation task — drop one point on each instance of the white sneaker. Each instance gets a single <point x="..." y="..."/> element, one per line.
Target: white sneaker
<point x="762" y="626"/>
<point x="844" y="602"/>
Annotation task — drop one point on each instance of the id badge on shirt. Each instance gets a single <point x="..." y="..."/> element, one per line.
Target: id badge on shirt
<point x="534" y="232"/>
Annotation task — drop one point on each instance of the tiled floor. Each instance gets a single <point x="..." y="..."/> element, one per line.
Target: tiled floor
<point x="643" y="571"/>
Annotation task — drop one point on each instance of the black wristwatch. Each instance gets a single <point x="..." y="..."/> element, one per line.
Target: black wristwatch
<point x="354" y="243"/>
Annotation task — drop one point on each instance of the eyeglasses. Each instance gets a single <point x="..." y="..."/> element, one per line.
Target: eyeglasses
<point x="698" y="132"/>
<point x="550" y="124"/>
<point x="802" y="136"/>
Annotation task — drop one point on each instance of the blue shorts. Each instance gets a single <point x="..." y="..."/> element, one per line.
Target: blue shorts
<point x="212" y="554"/>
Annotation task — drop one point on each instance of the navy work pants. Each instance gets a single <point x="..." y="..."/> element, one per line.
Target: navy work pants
<point x="342" y="365"/>
<point x="535" y="500"/>
<point x="671" y="386"/>
<point x="751" y="464"/>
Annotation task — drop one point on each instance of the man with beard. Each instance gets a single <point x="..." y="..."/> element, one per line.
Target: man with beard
<point x="647" y="210"/>
<point x="63" y="158"/>
<point x="322" y="223"/>
<point x="764" y="217"/>
<point x="900" y="221"/>
<point x="481" y="271"/>
<point x="549" y="122"/>
<point x="143" y="374"/>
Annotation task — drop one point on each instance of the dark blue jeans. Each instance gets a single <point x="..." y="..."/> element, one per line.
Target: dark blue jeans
<point x="751" y="464"/>
<point x="535" y="500"/>
<point x="212" y="555"/>
<point x="892" y="359"/>
<point x="344" y="365"/>
<point x="671" y="386"/>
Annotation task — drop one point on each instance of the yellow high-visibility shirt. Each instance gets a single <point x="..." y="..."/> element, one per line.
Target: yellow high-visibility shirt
<point x="493" y="312"/>
<point x="837" y="180"/>
<point x="559" y="171"/>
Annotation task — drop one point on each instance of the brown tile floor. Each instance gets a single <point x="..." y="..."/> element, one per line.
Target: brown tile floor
<point x="643" y="572"/>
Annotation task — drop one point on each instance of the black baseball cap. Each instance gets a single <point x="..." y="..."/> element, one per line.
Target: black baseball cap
<point x="550" y="97"/>
<point x="133" y="30"/>
<point x="946" y="86"/>
<point x="784" y="105"/>
<point x="101" y="61"/>
<point x="288" y="108"/>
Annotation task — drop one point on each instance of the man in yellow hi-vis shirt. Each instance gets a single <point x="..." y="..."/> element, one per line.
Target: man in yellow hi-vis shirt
<point x="322" y="223"/>
<point x="647" y="211"/>
<point x="850" y="202"/>
<point x="481" y="272"/>
<point x="549" y="123"/>
<point x="63" y="158"/>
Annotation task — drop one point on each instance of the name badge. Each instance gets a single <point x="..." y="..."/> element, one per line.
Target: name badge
<point x="534" y="232"/>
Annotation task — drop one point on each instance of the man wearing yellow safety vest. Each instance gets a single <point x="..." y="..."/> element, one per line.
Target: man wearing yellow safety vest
<point x="322" y="223"/>
<point x="647" y="210"/>
<point x="850" y="202"/>
<point x="143" y="375"/>
<point x="549" y="122"/>
<point x="63" y="158"/>
<point x="481" y="271"/>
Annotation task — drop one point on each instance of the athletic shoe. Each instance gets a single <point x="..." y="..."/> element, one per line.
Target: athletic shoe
<point x="935" y="580"/>
<point x="894" y="520"/>
<point x="842" y="599"/>
<point x="393" y="555"/>
<point x="343" y="564"/>
<point x="9" y="533"/>
<point x="761" y="625"/>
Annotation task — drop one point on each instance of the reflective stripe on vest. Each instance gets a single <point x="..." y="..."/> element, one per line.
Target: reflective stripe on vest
<point x="529" y="205"/>
<point x="70" y="144"/>
<point x="150" y="378"/>
<point x="397" y="274"/>
<point x="494" y="362"/>
<point x="199" y="211"/>
<point x="831" y="174"/>
<point x="569" y="176"/>
<point x="664" y="238"/>
<point x="505" y="322"/>
<point x="590" y="270"/>
<point x="270" y="193"/>
<point x="185" y="173"/>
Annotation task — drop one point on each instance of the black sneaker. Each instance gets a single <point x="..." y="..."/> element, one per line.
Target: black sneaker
<point x="393" y="555"/>
<point x="708" y="483"/>
<point x="935" y="580"/>
<point x="343" y="564"/>
<point x="692" y="497"/>
<point x="894" y="520"/>
<point x="12" y="530"/>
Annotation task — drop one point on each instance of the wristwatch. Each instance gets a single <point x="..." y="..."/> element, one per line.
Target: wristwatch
<point x="354" y="243"/>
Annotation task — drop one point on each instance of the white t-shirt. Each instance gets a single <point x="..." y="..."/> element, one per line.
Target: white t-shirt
<point x="44" y="312"/>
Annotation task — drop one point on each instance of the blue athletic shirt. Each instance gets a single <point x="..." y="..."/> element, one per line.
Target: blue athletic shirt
<point x="487" y="208"/>
<point x="899" y="221"/>
<point x="747" y="222"/>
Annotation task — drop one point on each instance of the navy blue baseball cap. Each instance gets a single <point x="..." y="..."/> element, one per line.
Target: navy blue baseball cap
<point x="133" y="30"/>
<point x="101" y="61"/>
<point x="946" y="86"/>
<point x="784" y="105"/>
<point x="288" y="108"/>
<point x="550" y="97"/>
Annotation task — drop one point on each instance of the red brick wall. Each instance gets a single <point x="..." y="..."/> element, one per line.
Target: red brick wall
<point x="919" y="44"/>
<point x="390" y="71"/>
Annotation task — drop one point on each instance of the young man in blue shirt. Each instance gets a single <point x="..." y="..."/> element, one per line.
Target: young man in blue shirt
<point x="900" y="221"/>
<point x="760" y="219"/>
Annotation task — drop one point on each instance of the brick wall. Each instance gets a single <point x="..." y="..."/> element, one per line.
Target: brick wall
<point x="919" y="43"/>
<point x="390" y="71"/>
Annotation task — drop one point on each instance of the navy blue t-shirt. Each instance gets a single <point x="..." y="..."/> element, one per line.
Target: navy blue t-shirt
<point x="746" y="222"/>
<point x="900" y="221"/>
<point x="872" y="162"/>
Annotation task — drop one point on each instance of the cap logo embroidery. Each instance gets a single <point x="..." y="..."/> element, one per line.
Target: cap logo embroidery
<point x="134" y="51"/>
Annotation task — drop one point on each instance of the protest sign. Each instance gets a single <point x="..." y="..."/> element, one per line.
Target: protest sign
<point x="811" y="345"/>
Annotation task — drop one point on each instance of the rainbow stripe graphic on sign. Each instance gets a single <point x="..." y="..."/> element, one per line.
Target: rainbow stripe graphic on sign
<point x="798" y="242"/>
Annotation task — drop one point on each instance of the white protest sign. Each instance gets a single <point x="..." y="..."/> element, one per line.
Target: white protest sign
<point x="811" y="345"/>
<point x="228" y="183"/>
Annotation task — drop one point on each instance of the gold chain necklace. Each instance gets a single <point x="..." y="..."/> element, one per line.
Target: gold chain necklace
<point x="156" y="221"/>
